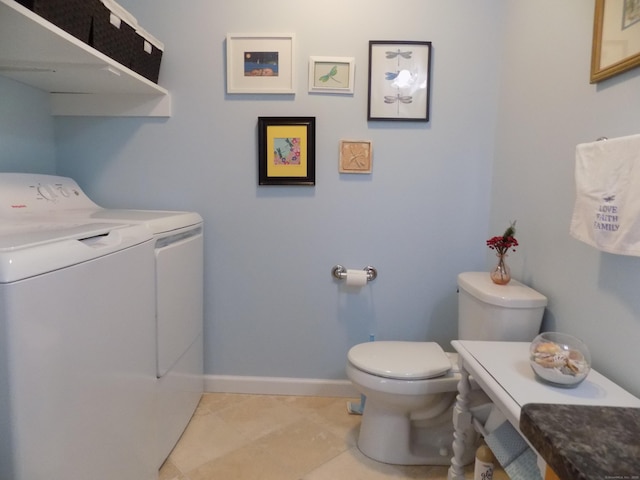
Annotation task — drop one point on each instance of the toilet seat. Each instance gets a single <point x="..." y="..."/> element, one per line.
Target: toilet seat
<point x="400" y="360"/>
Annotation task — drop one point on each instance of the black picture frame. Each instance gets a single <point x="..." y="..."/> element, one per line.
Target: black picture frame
<point x="286" y="151"/>
<point x="399" y="80"/>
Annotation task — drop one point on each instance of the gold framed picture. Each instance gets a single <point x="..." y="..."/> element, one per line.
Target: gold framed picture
<point x="356" y="156"/>
<point x="616" y="38"/>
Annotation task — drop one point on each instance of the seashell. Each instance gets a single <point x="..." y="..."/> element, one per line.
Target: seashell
<point x="576" y="355"/>
<point x="551" y="360"/>
<point x="548" y="348"/>
<point x="575" y="366"/>
<point x="571" y="365"/>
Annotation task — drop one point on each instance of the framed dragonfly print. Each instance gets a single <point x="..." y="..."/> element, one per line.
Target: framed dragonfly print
<point x="331" y="74"/>
<point x="286" y="151"/>
<point x="399" y="79"/>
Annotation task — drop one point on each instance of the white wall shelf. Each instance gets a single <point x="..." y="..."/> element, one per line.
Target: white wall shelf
<point x="81" y="80"/>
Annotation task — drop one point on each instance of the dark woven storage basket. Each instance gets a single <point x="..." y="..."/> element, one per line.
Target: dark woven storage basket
<point x="116" y="43"/>
<point x="146" y="64"/>
<point x="73" y="16"/>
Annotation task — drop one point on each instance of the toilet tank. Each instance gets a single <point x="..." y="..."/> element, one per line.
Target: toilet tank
<point x="487" y="311"/>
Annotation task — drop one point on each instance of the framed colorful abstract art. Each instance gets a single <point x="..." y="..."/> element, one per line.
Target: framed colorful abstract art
<point x="286" y="151"/>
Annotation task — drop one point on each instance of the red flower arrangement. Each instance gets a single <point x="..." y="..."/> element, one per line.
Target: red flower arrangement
<point x="505" y="242"/>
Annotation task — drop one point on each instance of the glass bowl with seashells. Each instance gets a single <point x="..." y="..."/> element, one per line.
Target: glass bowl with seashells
<point x="560" y="359"/>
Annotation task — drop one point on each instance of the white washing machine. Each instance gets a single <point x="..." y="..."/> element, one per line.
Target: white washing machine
<point x="178" y="249"/>
<point x="77" y="386"/>
<point x="179" y="314"/>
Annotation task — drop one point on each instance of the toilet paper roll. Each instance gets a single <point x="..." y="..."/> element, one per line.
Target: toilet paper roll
<point x="356" y="278"/>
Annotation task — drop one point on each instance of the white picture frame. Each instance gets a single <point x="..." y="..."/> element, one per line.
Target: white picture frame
<point x="260" y="63"/>
<point x="332" y="75"/>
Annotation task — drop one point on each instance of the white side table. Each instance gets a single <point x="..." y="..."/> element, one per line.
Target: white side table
<point x="502" y="371"/>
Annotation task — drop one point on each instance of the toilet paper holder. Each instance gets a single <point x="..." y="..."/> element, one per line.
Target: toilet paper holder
<point x="340" y="272"/>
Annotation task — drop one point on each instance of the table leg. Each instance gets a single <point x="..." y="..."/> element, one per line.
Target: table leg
<point x="461" y="424"/>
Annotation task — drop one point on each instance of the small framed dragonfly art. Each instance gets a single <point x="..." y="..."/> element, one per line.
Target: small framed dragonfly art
<point x="399" y="79"/>
<point x="331" y="75"/>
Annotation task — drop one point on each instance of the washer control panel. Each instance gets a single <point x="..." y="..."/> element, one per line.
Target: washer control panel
<point x="23" y="193"/>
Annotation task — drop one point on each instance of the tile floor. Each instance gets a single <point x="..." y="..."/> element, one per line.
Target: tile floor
<point x="269" y="437"/>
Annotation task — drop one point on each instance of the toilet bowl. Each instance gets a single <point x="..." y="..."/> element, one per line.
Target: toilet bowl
<point x="410" y="387"/>
<point x="405" y="383"/>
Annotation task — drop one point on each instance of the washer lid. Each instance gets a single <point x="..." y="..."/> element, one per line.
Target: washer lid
<point x="156" y="221"/>
<point x="400" y="360"/>
<point x="28" y="249"/>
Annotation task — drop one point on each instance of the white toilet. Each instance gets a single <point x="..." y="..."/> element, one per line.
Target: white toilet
<point x="410" y="387"/>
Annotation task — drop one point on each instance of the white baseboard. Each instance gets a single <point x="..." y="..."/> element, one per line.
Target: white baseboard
<point x="279" y="386"/>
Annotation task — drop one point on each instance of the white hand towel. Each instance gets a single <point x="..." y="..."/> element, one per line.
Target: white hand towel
<point x="606" y="213"/>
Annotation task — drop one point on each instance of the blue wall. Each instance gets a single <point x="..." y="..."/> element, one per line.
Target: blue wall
<point x="510" y="100"/>
<point x="272" y="306"/>
<point x="26" y="129"/>
<point x="546" y="108"/>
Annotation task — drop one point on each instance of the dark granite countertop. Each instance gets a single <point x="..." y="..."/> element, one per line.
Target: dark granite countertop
<point x="585" y="442"/>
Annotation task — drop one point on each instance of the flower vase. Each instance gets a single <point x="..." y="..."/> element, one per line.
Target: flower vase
<point x="501" y="274"/>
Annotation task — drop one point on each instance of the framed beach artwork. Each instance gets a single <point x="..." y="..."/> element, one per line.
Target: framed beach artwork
<point x="616" y="38"/>
<point x="399" y="78"/>
<point x="260" y="63"/>
<point x="286" y="151"/>
<point x="331" y="74"/>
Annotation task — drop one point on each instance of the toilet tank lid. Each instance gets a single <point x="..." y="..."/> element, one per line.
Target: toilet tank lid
<point x="400" y="360"/>
<point x="512" y="295"/>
